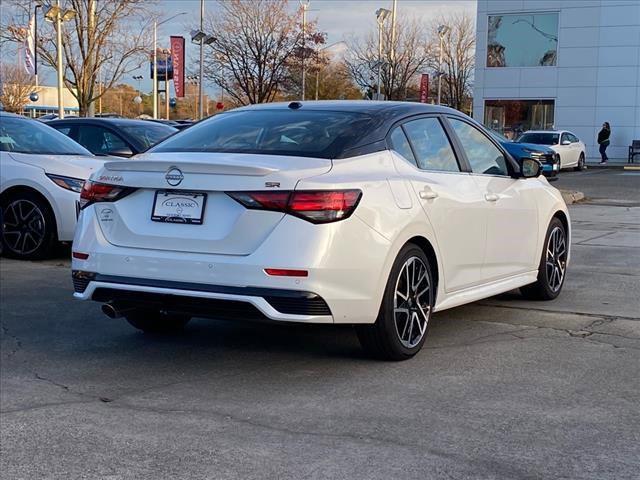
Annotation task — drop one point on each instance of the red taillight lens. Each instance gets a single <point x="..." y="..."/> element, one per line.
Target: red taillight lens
<point x="317" y="206"/>
<point x="101" y="192"/>
<point x="324" y="206"/>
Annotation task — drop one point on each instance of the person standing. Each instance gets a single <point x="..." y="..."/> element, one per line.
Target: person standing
<point x="603" y="141"/>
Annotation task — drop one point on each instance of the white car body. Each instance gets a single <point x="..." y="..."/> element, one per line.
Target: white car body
<point x="571" y="149"/>
<point x="26" y="171"/>
<point x="484" y="233"/>
<point x="31" y="173"/>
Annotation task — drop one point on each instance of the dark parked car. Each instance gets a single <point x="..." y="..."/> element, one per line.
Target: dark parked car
<point x="180" y="125"/>
<point x="545" y="155"/>
<point x="120" y="137"/>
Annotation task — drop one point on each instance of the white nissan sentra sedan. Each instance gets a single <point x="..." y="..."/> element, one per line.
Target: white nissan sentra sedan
<point x="374" y="214"/>
<point x="41" y="175"/>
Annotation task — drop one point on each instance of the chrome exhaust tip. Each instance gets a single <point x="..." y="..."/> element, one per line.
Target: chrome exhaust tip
<point x="110" y="311"/>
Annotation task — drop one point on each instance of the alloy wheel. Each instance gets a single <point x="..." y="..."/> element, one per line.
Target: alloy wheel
<point x="556" y="260"/>
<point x="23" y="227"/>
<point x="412" y="302"/>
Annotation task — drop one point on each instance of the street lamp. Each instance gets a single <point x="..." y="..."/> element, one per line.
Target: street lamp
<point x="381" y="17"/>
<point x="155" y="60"/>
<point x="442" y="31"/>
<point x="55" y="13"/>
<point x="201" y="38"/>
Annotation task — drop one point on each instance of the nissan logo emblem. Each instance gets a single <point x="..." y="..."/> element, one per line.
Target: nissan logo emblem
<point x="174" y="176"/>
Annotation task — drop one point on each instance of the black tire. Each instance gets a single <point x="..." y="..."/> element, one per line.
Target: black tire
<point x="383" y="339"/>
<point x="547" y="286"/>
<point x="156" y="321"/>
<point x="581" y="163"/>
<point x="28" y="226"/>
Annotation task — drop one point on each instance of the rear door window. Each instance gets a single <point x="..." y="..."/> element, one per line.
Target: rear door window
<point x="431" y="145"/>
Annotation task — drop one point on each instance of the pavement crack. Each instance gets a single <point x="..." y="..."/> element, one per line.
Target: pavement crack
<point x="599" y="316"/>
<point x="16" y="340"/>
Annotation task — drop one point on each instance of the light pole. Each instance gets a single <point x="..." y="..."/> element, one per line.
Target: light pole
<point x="392" y="54"/>
<point x="138" y="99"/>
<point x="155" y="60"/>
<point x="54" y="13"/>
<point x="305" y="6"/>
<point x="381" y="17"/>
<point x="442" y="31"/>
<point x="199" y="37"/>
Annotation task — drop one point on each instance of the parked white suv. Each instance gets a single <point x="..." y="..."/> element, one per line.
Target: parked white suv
<point x="41" y="174"/>
<point x="367" y="213"/>
<point x="569" y="147"/>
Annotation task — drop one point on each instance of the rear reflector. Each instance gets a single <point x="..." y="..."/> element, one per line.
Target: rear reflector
<point x="80" y="255"/>
<point x="286" y="272"/>
<point x="316" y="206"/>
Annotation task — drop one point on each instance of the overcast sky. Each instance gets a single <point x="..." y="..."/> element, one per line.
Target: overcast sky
<point x="341" y="19"/>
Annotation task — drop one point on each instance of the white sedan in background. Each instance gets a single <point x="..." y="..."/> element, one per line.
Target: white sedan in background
<point x="41" y="174"/>
<point x="374" y="214"/>
<point x="570" y="148"/>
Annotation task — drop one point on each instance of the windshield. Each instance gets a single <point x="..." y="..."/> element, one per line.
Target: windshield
<point x="148" y="135"/>
<point x="319" y="134"/>
<point x="20" y="135"/>
<point x="540" y="138"/>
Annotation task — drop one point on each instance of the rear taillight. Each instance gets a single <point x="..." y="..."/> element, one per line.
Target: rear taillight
<point x="93" y="192"/>
<point x="315" y="206"/>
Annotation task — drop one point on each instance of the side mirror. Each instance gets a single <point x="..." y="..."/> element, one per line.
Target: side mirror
<point x="566" y="142"/>
<point x="530" y="168"/>
<point x="121" y="152"/>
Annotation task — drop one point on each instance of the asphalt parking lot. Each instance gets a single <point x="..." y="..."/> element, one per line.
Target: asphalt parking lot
<point x="504" y="388"/>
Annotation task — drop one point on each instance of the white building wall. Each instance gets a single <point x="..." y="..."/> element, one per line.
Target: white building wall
<point x="597" y="77"/>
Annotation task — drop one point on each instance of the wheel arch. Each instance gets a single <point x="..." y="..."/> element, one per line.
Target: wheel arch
<point x="562" y="216"/>
<point x="429" y="251"/>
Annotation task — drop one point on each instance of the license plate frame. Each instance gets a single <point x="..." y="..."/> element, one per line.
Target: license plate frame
<point x="158" y="215"/>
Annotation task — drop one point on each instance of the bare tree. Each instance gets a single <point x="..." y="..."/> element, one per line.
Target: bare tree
<point x="401" y="62"/>
<point x="256" y="40"/>
<point x="458" y="59"/>
<point x="15" y="87"/>
<point x="103" y="41"/>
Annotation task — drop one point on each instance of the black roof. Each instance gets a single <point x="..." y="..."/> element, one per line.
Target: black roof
<point x="371" y="107"/>
<point x="382" y="116"/>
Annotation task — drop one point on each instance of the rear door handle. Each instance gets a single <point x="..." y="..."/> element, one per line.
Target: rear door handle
<point x="428" y="194"/>
<point x="491" y="197"/>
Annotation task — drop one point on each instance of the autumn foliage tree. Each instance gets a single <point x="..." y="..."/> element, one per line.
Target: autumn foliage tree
<point x="103" y="41"/>
<point x="402" y="59"/>
<point x="15" y="87"/>
<point x="458" y="59"/>
<point x="257" y="44"/>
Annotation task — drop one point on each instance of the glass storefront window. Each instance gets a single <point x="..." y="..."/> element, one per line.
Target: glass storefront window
<point x="524" y="40"/>
<point x="513" y="117"/>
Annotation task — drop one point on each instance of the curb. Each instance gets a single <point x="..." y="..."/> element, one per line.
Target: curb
<point x="611" y="166"/>
<point x="571" y="196"/>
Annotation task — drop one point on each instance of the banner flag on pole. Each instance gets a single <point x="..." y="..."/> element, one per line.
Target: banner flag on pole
<point x="30" y="48"/>
<point x="177" y="55"/>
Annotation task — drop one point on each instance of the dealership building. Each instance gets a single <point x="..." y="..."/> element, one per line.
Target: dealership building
<point x="560" y="64"/>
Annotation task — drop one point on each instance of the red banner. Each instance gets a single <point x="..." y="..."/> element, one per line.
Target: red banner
<point x="177" y="55"/>
<point x="424" y="87"/>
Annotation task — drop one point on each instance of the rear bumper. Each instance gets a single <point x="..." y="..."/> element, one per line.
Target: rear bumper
<point x="215" y="301"/>
<point x="342" y="273"/>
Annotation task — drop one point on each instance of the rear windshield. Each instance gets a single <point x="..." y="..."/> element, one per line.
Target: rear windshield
<point x="540" y="138"/>
<point x="320" y="134"/>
